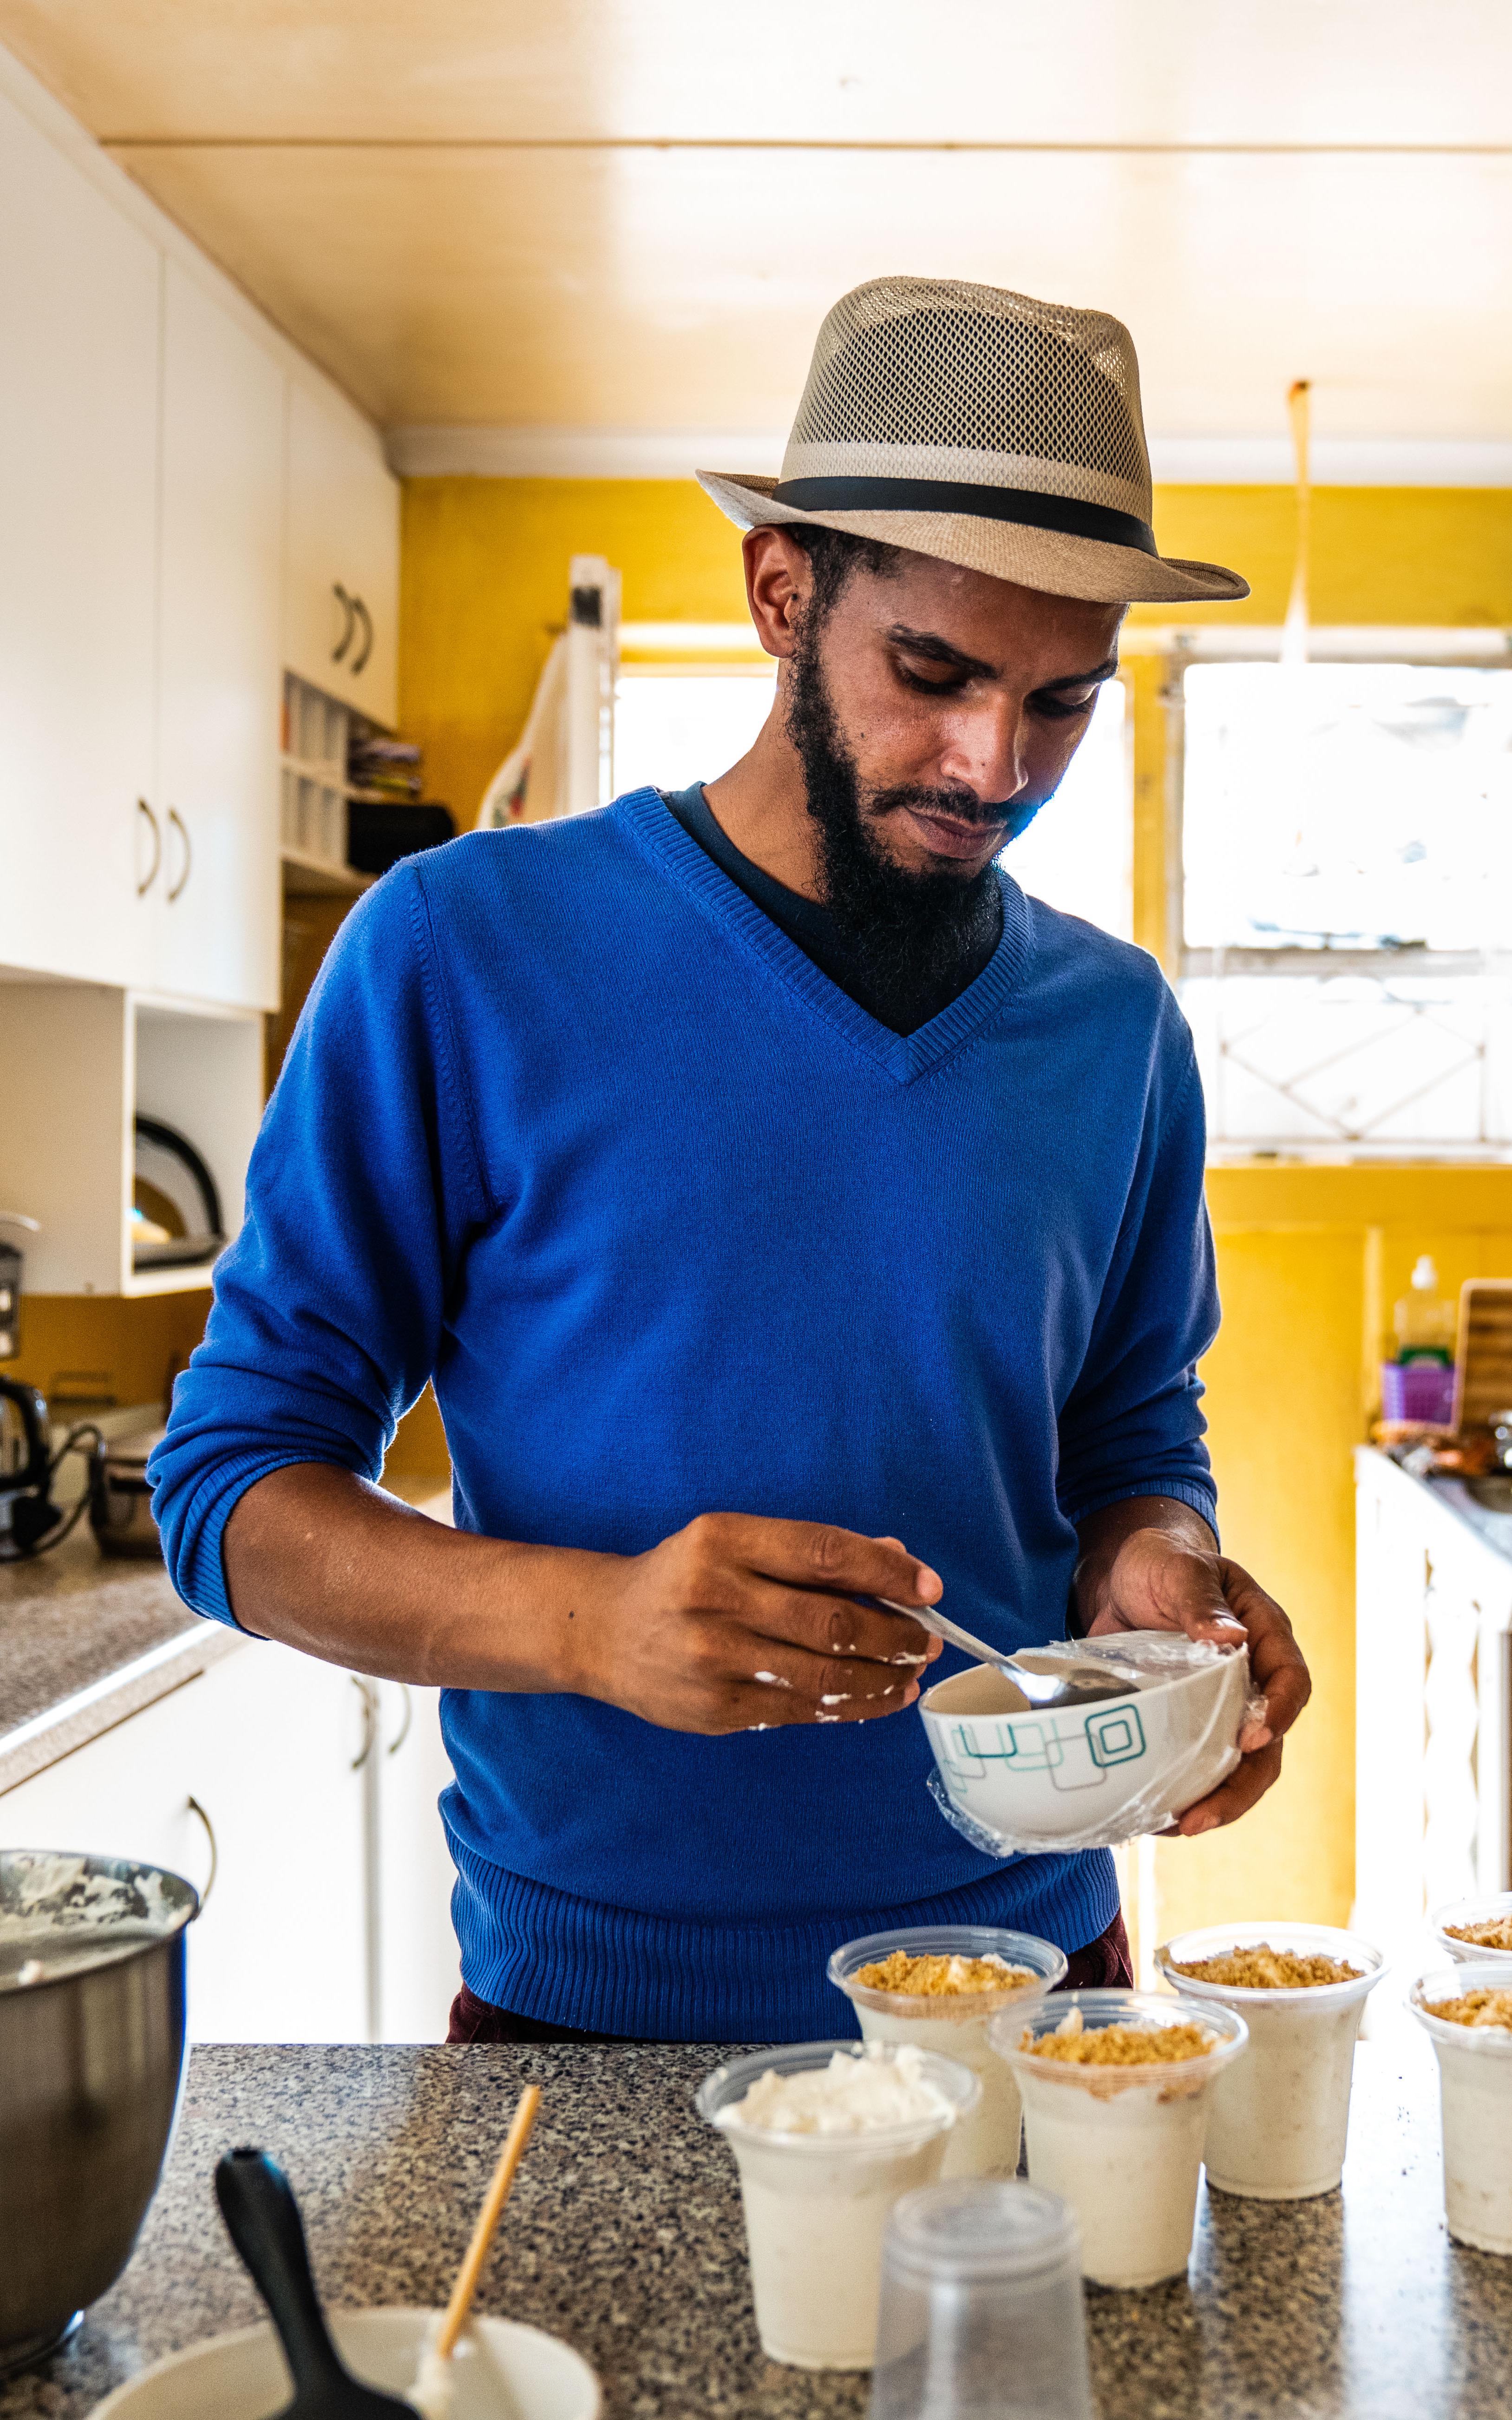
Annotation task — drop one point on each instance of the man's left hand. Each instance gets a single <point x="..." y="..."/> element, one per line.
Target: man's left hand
<point x="1166" y="1572"/>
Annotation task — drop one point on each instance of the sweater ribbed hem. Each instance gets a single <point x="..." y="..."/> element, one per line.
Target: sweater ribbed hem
<point x="571" y="1961"/>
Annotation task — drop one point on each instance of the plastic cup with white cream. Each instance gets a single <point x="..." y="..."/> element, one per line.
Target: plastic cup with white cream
<point x="827" y="2136"/>
<point x="1467" y="2013"/>
<point x="1121" y="2138"/>
<point x="939" y="1987"/>
<point x="1279" y="2120"/>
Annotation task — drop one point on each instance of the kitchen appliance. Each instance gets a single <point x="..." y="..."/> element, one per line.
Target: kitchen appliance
<point x="176" y="1206"/>
<point x="10" y="1268"/>
<point x="92" y="2054"/>
<point x="27" y="1512"/>
<point x="379" y="832"/>
<point x="120" y="1501"/>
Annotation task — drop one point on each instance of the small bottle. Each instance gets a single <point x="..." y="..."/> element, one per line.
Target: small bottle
<point x="1425" y="1319"/>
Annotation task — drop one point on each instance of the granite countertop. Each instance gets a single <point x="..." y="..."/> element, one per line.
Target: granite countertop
<point x="624" y="2235"/>
<point x="84" y="1640"/>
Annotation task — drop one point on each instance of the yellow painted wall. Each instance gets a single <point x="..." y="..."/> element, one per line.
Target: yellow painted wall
<point x="1310" y="1258"/>
<point x="484" y="572"/>
<point x="484" y="586"/>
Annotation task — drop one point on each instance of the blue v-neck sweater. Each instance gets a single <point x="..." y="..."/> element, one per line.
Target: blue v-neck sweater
<point x="571" y="1126"/>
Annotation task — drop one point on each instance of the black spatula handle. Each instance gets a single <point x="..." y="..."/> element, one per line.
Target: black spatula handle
<point x="263" y="2220"/>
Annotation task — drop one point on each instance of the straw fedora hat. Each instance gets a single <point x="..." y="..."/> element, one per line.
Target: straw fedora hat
<point x="984" y="427"/>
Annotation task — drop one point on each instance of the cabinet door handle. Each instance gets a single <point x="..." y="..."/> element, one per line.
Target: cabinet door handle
<point x="402" y="1732"/>
<point x="369" y="1698"/>
<point x="150" y="876"/>
<point x="182" y="829"/>
<point x="366" y="649"/>
<point x="195" y="1808"/>
<point x="348" y="607"/>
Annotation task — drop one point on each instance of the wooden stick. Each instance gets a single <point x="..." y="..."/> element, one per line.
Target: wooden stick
<point x="489" y="2217"/>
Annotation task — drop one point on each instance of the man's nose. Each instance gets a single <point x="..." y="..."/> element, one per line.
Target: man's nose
<point x="986" y="750"/>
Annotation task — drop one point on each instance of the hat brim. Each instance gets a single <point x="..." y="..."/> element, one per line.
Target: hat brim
<point x="1034" y="558"/>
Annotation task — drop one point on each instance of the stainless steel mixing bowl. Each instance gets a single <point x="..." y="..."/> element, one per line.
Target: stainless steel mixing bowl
<point x="91" y="2065"/>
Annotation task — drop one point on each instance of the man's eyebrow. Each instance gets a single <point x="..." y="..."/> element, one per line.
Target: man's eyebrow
<point x="1082" y="680"/>
<point x="930" y="645"/>
<point x="939" y="651"/>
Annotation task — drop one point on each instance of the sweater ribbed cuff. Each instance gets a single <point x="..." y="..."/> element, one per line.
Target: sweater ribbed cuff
<point x="1199" y="1499"/>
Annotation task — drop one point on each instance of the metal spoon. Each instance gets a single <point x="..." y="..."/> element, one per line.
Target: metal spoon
<point x="1063" y="1684"/>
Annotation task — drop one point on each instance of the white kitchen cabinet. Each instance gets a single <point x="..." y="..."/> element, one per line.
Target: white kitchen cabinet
<point x="259" y="1767"/>
<point x="416" y="1972"/>
<point x="79" y="428"/>
<point x="1433" y="1706"/>
<point x="220" y="603"/>
<point x="341" y="589"/>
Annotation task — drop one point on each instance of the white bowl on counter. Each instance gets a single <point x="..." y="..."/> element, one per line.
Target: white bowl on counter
<point x="1486" y="1907"/>
<point x="1076" y="1776"/>
<point x="503" y="2371"/>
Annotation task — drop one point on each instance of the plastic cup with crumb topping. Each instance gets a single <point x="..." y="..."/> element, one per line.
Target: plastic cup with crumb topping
<point x="817" y="2204"/>
<point x="1280" y="2114"/>
<point x="1121" y="2144"/>
<point x="1476" y="2101"/>
<point x="1491" y="1914"/>
<point x="986" y="2144"/>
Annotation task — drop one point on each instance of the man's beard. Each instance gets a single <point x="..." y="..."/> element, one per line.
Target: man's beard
<point x="910" y="931"/>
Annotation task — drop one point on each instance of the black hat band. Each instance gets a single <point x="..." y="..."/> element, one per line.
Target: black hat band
<point x="1070" y="515"/>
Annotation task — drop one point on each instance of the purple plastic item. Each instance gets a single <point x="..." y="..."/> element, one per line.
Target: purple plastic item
<point x="1417" y="1390"/>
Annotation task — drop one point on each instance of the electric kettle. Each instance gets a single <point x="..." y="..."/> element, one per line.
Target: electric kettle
<point x="27" y="1512"/>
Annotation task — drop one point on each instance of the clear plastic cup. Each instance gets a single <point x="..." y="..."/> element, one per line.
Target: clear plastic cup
<point x="982" y="2314"/>
<point x="1476" y="2102"/>
<point x="817" y="2205"/>
<point x="1122" y="2144"/>
<point x="1279" y="2117"/>
<point x="1486" y="1907"/>
<point x="955" y="2024"/>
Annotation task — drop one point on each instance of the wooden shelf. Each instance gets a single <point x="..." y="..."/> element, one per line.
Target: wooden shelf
<point x="331" y="775"/>
<point x="312" y="878"/>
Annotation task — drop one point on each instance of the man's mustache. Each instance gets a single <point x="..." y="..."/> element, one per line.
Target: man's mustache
<point x="962" y="805"/>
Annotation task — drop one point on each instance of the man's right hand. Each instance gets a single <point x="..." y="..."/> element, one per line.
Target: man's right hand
<point x="737" y="1623"/>
<point x="734" y="1623"/>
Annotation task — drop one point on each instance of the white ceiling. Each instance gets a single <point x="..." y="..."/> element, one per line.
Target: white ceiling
<point x="630" y="215"/>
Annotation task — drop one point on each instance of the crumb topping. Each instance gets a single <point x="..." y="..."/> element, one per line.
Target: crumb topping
<point x="1118" y="2045"/>
<point x="1492" y="1933"/>
<point x="934" y="1975"/>
<point x="1482" y="2008"/>
<point x="1264" y="1969"/>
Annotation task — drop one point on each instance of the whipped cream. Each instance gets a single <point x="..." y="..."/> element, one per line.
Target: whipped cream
<point x="885" y="2086"/>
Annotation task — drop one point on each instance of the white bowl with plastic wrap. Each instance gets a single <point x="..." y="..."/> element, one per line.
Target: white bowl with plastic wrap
<point x="1014" y="1777"/>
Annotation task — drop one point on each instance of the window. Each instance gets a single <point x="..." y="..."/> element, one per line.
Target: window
<point x="1347" y="850"/>
<point x="682" y="725"/>
<point x="1078" y="852"/>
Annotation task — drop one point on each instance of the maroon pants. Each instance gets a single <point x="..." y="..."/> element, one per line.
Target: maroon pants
<point x="1104" y="1965"/>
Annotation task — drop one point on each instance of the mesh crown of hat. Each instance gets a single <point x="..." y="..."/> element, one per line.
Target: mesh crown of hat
<point x="907" y="367"/>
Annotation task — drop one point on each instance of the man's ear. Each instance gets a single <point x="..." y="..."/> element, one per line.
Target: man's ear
<point x="779" y="584"/>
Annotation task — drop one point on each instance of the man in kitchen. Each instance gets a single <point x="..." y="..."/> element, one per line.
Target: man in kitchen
<point x="791" y="1214"/>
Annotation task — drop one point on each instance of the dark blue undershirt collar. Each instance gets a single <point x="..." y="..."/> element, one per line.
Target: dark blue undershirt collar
<point x="903" y="1008"/>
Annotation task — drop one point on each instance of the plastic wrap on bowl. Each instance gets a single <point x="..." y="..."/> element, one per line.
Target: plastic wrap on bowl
<point x="1015" y="1781"/>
